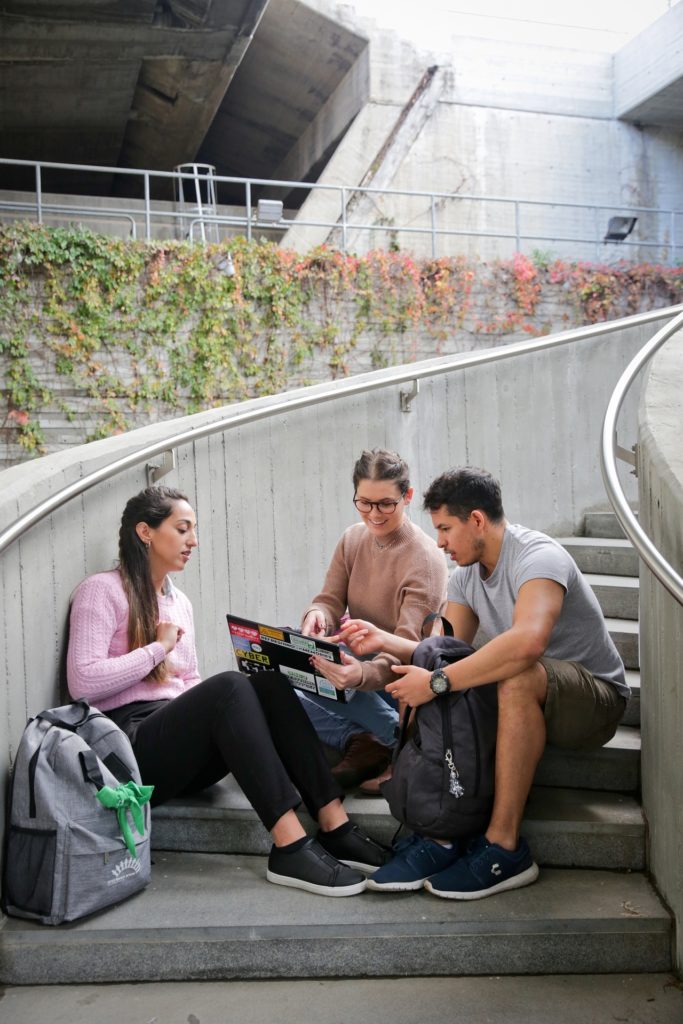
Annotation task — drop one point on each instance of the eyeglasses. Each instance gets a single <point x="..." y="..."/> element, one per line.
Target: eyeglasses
<point x="386" y="506"/>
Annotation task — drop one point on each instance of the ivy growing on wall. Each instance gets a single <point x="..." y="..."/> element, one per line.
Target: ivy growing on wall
<point x="160" y="328"/>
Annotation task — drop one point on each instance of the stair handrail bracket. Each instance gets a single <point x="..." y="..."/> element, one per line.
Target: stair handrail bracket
<point x="609" y="449"/>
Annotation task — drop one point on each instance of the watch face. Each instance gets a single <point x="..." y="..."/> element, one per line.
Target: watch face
<point x="439" y="682"/>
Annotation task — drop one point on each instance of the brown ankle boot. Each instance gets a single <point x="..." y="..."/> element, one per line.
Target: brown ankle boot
<point x="371" y="787"/>
<point x="363" y="758"/>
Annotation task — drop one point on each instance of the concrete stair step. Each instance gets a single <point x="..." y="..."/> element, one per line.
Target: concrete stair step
<point x="213" y="916"/>
<point x="602" y="556"/>
<point x="603" y="524"/>
<point x="624" y="633"/>
<point x="632" y="715"/>
<point x="574" y="998"/>
<point x="614" y="767"/>
<point x="565" y="827"/>
<point x="617" y="595"/>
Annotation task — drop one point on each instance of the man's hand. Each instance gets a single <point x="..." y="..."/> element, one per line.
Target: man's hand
<point x="361" y="636"/>
<point x="413" y="685"/>
<point x="348" y="674"/>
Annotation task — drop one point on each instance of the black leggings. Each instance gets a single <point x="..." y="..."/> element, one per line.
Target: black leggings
<point x="252" y="726"/>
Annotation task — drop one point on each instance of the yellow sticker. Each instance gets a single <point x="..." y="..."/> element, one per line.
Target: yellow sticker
<point x="276" y="634"/>
<point x="261" y="659"/>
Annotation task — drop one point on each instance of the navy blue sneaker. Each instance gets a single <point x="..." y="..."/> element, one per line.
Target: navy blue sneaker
<point x="415" y="859"/>
<point x="484" y="869"/>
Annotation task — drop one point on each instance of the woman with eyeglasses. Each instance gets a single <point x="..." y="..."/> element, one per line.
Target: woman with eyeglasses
<point x="132" y="655"/>
<point x="385" y="569"/>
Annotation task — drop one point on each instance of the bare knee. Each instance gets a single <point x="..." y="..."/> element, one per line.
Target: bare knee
<point x="527" y="687"/>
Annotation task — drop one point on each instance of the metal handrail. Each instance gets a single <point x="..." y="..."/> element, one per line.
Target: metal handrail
<point x="652" y="557"/>
<point x="341" y="222"/>
<point x="318" y="394"/>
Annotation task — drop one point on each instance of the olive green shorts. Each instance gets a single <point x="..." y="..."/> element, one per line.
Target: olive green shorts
<point x="581" y="711"/>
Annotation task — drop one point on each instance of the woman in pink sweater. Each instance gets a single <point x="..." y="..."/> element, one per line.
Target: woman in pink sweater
<point x="390" y="569"/>
<point x="132" y="654"/>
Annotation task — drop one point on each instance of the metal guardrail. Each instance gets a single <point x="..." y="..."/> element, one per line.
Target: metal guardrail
<point x="513" y="213"/>
<point x="609" y="452"/>
<point x="319" y="393"/>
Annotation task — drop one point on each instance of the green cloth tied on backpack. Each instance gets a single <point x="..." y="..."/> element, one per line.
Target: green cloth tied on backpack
<point x="124" y="798"/>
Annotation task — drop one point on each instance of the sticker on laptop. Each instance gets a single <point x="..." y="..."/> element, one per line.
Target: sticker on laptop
<point x="304" y="680"/>
<point x="302" y="643"/>
<point x="326" y="689"/>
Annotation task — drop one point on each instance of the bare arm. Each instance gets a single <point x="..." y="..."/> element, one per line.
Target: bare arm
<point x="537" y="609"/>
<point x="365" y="638"/>
<point x="463" y="620"/>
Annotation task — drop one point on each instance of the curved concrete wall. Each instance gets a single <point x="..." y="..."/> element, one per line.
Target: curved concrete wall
<point x="661" y="617"/>
<point x="273" y="497"/>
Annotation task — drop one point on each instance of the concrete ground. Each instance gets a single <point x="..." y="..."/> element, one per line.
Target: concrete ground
<point x="560" y="999"/>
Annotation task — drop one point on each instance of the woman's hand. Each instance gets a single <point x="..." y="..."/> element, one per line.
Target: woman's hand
<point x="314" y="623"/>
<point x="348" y="674"/>
<point x="361" y="636"/>
<point x="168" y="635"/>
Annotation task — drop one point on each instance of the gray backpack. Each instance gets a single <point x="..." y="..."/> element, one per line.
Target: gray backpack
<point x="70" y="849"/>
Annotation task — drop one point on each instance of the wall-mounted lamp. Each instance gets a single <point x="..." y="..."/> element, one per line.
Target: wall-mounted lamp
<point x="619" y="228"/>
<point x="269" y="211"/>
<point x="225" y="265"/>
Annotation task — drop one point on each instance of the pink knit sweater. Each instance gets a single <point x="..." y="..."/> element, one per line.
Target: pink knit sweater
<point x="394" y="584"/>
<point x="101" y="667"/>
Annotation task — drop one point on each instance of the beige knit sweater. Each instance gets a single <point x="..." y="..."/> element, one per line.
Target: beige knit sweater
<point x="393" y="584"/>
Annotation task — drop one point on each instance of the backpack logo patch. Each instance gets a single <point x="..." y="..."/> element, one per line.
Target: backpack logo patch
<point x="126" y="868"/>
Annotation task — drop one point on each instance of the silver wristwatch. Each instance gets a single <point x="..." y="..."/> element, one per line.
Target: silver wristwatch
<point x="439" y="683"/>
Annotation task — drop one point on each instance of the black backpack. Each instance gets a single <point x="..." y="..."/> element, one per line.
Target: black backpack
<point x="443" y="776"/>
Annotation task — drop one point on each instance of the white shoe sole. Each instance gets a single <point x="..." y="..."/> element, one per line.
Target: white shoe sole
<point x="516" y="882"/>
<point x="367" y="869"/>
<point x="395" y="886"/>
<point x="319" y="890"/>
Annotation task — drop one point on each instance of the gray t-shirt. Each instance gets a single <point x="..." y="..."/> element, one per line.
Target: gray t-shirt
<point x="580" y="633"/>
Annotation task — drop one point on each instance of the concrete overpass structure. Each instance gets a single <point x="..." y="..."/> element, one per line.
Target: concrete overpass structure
<point x="239" y="84"/>
<point x="270" y="88"/>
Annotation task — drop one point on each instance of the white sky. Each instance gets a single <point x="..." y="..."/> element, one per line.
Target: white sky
<point x="589" y="24"/>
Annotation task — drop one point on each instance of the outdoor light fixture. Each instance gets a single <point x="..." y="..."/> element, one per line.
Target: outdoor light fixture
<point x="225" y="265"/>
<point x="269" y="210"/>
<point x="619" y="228"/>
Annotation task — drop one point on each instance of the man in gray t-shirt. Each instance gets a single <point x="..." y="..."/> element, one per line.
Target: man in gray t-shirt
<point x="579" y="633"/>
<point x="560" y="678"/>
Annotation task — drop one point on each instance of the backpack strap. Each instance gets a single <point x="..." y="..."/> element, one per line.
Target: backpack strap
<point x="447" y="629"/>
<point x="90" y="768"/>
<point x="71" y="716"/>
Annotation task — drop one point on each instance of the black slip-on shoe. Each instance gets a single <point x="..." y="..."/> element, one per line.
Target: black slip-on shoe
<point x="312" y="868"/>
<point x="355" y="849"/>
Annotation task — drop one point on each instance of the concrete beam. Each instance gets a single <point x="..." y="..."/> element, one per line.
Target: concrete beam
<point x="94" y="91"/>
<point x="648" y="74"/>
<point x="329" y="126"/>
<point x="296" y="63"/>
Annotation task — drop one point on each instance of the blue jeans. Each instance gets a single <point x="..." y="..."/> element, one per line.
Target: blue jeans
<point x="367" y="711"/>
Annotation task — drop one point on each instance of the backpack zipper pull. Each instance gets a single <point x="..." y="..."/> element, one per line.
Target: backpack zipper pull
<point x="454" y="786"/>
